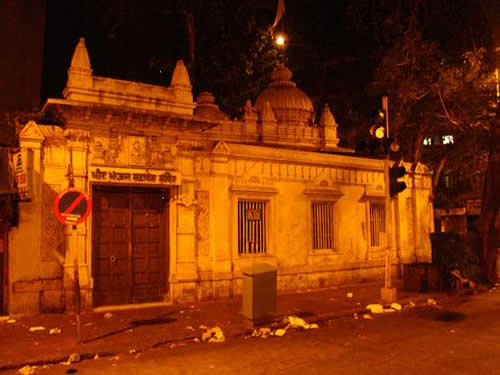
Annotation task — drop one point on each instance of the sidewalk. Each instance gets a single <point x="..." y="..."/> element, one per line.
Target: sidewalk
<point x="137" y="330"/>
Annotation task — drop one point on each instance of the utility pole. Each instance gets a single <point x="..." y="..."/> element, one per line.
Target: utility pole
<point x="387" y="293"/>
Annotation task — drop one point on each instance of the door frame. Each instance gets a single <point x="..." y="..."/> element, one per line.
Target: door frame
<point x="167" y="231"/>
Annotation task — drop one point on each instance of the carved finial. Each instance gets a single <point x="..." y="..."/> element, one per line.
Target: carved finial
<point x="267" y="114"/>
<point x="249" y="112"/>
<point x="180" y="83"/>
<point x="80" y="61"/>
<point x="327" y="119"/>
<point x="180" y="77"/>
<point x="79" y="72"/>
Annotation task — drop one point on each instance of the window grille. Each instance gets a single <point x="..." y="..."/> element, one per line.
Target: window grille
<point x="377" y="222"/>
<point x="252" y="217"/>
<point x="322" y="225"/>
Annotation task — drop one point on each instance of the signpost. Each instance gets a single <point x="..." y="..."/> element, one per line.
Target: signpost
<point x="72" y="207"/>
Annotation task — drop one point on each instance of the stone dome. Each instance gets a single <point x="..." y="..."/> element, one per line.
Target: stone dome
<point x="207" y="108"/>
<point x="289" y="103"/>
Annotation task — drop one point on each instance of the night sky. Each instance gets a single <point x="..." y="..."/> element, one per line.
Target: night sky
<point x="333" y="50"/>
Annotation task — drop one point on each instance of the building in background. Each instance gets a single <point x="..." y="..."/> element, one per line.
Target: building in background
<point x="22" y="30"/>
<point x="184" y="199"/>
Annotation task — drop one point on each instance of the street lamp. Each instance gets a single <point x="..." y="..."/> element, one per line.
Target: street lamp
<point x="280" y="42"/>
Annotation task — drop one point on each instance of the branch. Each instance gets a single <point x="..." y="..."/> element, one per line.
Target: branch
<point x="448" y="115"/>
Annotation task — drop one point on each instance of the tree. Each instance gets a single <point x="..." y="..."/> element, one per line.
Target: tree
<point x="441" y="86"/>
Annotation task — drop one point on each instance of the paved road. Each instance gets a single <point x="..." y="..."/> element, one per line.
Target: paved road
<point x="458" y="338"/>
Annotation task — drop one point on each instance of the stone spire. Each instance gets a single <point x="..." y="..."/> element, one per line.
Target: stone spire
<point x="327" y="119"/>
<point x="80" y="72"/>
<point x="329" y="125"/>
<point x="181" y="84"/>
<point x="267" y="114"/>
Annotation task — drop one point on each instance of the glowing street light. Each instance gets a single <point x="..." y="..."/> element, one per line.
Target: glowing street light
<point x="280" y="40"/>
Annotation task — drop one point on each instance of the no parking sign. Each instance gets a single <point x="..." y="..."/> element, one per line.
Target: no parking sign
<point x="72" y="206"/>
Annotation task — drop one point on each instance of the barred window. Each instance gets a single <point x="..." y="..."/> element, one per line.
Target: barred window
<point x="377" y="222"/>
<point x="252" y="231"/>
<point x="322" y="225"/>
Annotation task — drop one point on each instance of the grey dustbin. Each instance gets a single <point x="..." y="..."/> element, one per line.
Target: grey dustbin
<point x="259" y="291"/>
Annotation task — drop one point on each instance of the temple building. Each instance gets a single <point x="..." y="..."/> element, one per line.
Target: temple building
<point x="184" y="198"/>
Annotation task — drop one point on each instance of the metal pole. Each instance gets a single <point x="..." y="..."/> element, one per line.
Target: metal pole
<point x="76" y="289"/>
<point x="388" y="213"/>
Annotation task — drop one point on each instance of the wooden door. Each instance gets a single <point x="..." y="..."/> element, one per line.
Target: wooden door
<point x="147" y="241"/>
<point x="128" y="246"/>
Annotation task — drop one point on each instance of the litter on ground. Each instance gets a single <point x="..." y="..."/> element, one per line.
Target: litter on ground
<point x="431" y="301"/>
<point x="349" y="295"/>
<point x="296" y="322"/>
<point x="214" y="334"/>
<point x="280" y="332"/>
<point x="73" y="358"/>
<point x="27" y="370"/>
<point x="367" y="316"/>
<point x="108" y="315"/>
<point x="396" y="306"/>
<point x="375" y="308"/>
<point x="39" y="328"/>
<point x="262" y="332"/>
<point x="54" y="331"/>
<point x="11" y="321"/>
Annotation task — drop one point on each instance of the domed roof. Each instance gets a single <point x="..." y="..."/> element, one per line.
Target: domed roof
<point x="207" y="108"/>
<point x="289" y="103"/>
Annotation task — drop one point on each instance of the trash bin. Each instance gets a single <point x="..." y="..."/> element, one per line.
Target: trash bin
<point x="422" y="277"/>
<point x="259" y="291"/>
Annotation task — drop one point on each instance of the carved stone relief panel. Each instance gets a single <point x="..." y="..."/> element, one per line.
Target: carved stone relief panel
<point x="202" y="223"/>
<point x="158" y="154"/>
<point x="52" y="231"/>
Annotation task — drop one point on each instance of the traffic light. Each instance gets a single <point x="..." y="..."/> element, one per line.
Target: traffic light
<point x="395" y="186"/>
<point x="378" y="130"/>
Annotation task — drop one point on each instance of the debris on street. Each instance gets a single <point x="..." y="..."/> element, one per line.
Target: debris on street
<point x="27" y="370"/>
<point x="190" y="328"/>
<point x="367" y="316"/>
<point x="108" y="315"/>
<point x="213" y="335"/>
<point x="280" y="332"/>
<point x="54" y="331"/>
<point x="410" y="305"/>
<point x="132" y="351"/>
<point x="431" y="301"/>
<point x="39" y="328"/>
<point x="73" y="358"/>
<point x="460" y="281"/>
<point x="349" y="295"/>
<point x="375" y="308"/>
<point x="262" y="332"/>
<point x="296" y="322"/>
<point x="11" y="321"/>
<point x="396" y="306"/>
<point x="355" y="316"/>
